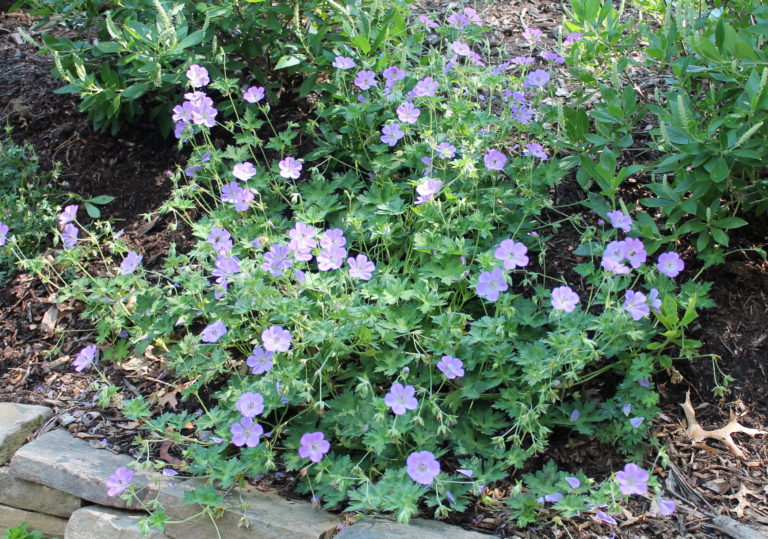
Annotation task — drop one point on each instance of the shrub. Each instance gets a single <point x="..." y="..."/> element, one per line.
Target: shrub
<point x="381" y="314"/>
<point x="130" y="59"/>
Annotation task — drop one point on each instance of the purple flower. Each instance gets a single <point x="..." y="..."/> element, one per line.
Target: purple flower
<point x="401" y="398"/>
<point x="626" y="409"/>
<point x="635" y="304"/>
<point x="552" y="57"/>
<point x="365" y="79"/>
<point x="254" y="94"/>
<point x="575" y="415"/>
<point x="636" y="422"/>
<point x="613" y="256"/>
<point x="300" y="275"/>
<point x="458" y="20"/>
<point x="445" y="150"/>
<point x="573" y="482"/>
<point x="632" y="480"/>
<point x="314" y="446"/>
<point x="426" y="21"/>
<point x="535" y="150"/>
<point x="550" y="498"/>
<point x="391" y="133"/>
<point x="422" y="467"/>
<point x="491" y="284"/>
<point x="130" y="263"/>
<point x="426" y="190"/>
<point x="244" y="171"/>
<point x="201" y="108"/>
<point x="250" y="404"/>
<point x="290" y="168"/>
<point x="426" y="87"/>
<point x="564" y="299"/>
<point x="302" y="241"/>
<point x="342" y="62"/>
<point x="246" y="432"/>
<point x="605" y="517"/>
<point x="276" y="339"/>
<point x="169" y="472"/>
<point x="532" y="35"/>
<point x="360" y="268"/>
<point x="666" y="507"/>
<point x="85" y="358"/>
<point x="333" y="238"/>
<point x="198" y="76"/>
<point x="461" y="48"/>
<point x="118" y="482"/>
<point x="634" y="251"/>
<point x="331" y="258"/>
<point x="536" y="79"/>
<point x="393" y="74"/>
<point x="213" y="332"/>
<point x="276" y="260"/>
<point x="451" y="64"/>
<point x="260" y="361"/>
<point x="644" y="382"/>
<point x="654" y="301"/>
<point x="69" y="236"/>
<point x="451" y="367"/>
<point x="495" y="160"/>
<point x="512" y="253"/>
<point x="225" y="266"/>
<point x="408" y="113"/>
<point x="472" y="15"/>
<point x="68" y="215"/>
<point x="670" y="264"/>
<point x="620" y="220"/>
<point x="523" y="60"/>
<point x="233" y="193"/>
<point x="220" y="240"/>
<point x="522" y="113"/>
<point x="571" y="39"/>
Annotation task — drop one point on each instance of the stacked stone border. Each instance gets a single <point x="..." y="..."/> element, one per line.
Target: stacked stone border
<point x="56" y="483"/>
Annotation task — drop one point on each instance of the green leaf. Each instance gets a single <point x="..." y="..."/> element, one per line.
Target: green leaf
<point x="290" y="60"/>
<point x="361" y="42"/>
<point x="729" y="223"/>
<point x="101" y="199"/>
<point x="719" y="169"/>
<point x="92" y="210"/>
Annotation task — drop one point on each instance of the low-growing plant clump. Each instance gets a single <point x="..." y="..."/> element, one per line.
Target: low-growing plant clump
<point x="379" y="312"/>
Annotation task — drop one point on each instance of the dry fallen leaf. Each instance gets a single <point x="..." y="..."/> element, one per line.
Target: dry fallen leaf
<point x="698" y="434"/>
<point x="50" y="318"/>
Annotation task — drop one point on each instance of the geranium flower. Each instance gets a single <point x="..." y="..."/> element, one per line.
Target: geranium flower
<point x="313" y="446"/>
<point x="118" y="482"/>
<point x="422" y="467"/>
<point x="401" y="398"/>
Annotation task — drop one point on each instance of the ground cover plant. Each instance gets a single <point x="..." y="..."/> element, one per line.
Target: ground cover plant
<point x="23" y="186"/>
<point x="379" y="313"/>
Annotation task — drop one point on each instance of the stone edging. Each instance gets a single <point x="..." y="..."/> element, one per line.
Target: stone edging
<point x="53" y="480"/>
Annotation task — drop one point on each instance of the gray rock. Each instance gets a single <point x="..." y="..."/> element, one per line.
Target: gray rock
<point x="249" y="514"/>
<point x="378" y="528"/>
<point x="102" y="523"/>
<point x="17" y="422"/>
<point x="47" y="524"/>
<point x="23" y="494"/>
<point x="59" y="460"/>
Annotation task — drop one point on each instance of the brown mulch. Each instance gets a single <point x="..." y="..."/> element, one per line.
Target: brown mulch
<point x="35" y="356"/>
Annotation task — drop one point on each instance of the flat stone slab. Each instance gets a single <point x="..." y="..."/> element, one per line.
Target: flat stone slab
<point x="24" y="494"/>
<point x="17" y="422"/>
<point x="60" y="461"/>
<point x="47" y="524"/>
<point x="95" y="522"/>
<point x="251" y="514"/>
<point x="378" y="528"/>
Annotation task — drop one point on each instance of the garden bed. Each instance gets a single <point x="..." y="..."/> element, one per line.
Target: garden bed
<point x="132" y="168"/>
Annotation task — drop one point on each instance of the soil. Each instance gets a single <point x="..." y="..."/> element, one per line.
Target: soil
<point x="35" y="359"/>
